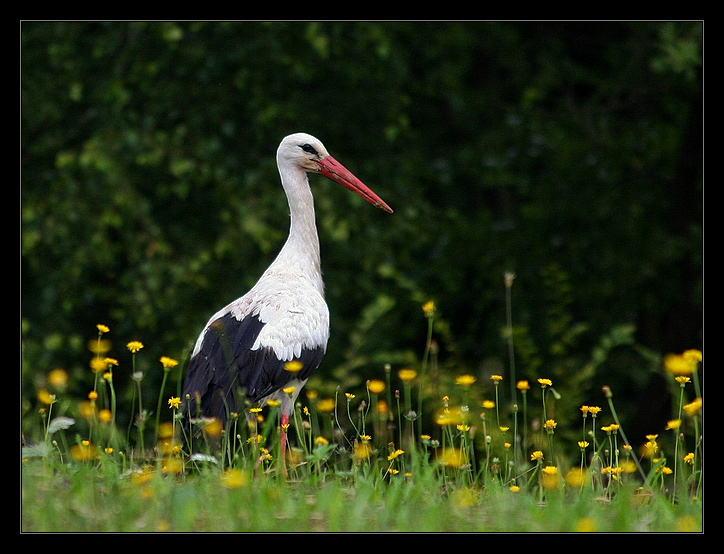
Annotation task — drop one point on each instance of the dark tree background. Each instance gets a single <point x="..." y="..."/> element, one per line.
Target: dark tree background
<point x="567" y="153"/>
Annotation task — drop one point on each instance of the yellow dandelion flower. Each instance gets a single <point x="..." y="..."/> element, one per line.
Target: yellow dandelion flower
<point x="396" y="454"/>
<point x="678" y="364"/>
<point x="514" y="488"/>
<point x="549" y="477"/>
<point x="613" y="471"/>
<point x="105" y="416"/>
<point x="273" y="402"/>
<point x="537" y="455"/>
<point x="453" y="457"/>
<point x="407" y="374"/>
<point x="172" y="466"/>
<point x="689" y="458"/>
<point x="594" y="410"/>
<point x="321" y="441"/>
<point x="576" y="477"/>
<point x="682" y="379"/>
<point x="99" y="346"/>
<point x="688" y="524"/>
<point x="213" y="427"/>
<point x="488" y="404"/>
<point x="693" y="355"/>
<point x="522" y="385"/>
<point x="673" y="424"/>
<point x="693" y="408"/>
<point x="290" y="389"/>
<point x="134" y="346"/>
<point x="326" y="405"/>
<point x="463" y="498"/>
<point x="259" y="439"/>
<point x="293" y="366"/>
<point x="166" y="447"/>
<point x="545" y="383"/>
<point x="87" y="410"/>
<point x="465" y="380"/>
<point x="174" y="402"/>
<point x="375" y="386"/>
<point x="83" y="451"/>
<point x="504" y="429"/>
<point x="142" y="476"/>
<point x="428" y="308"/>
<point x="650" y="448"/>
<point x="45" y="397"/>
<point x="167" y="362"/>
<point x="92" y="395"/>
<point x="102" y="328"/>
<point x="97" y="365"/>
<point x="585" y="525"/>
<point x="264" y="455"/>
<point x="582" y="445"/>
<point x="58" y="378"/>
<point x="550" y="425"/>
<point x="496" y="378"/>
<point x="450" y="416"/>
<point x="234" y="478"/>
<point x="584" y="409"/>
<point x="165" y="430"/>
<point x="362" y="450"/>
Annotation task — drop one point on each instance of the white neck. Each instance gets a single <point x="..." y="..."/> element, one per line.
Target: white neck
<point x="300" y="253"/>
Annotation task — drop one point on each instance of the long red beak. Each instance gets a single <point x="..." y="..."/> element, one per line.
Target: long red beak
<point x="335" y="171"/>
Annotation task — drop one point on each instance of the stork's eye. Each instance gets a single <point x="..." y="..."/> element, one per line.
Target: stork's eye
<point x="309" y="149"/>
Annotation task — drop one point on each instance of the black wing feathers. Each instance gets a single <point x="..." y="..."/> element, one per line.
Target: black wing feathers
<point x="226" y="362"/>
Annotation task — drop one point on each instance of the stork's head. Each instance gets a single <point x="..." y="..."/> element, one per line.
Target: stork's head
<point x="308" y="153"/>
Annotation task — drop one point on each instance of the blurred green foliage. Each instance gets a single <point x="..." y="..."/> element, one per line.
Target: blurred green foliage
<point x="567" y="153"/>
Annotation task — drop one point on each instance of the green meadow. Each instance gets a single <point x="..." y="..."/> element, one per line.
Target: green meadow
<point x="359" y="461"/>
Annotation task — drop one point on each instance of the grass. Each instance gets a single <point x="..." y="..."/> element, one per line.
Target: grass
<point x="361" y="461"/>
<point x="92" y="499"/>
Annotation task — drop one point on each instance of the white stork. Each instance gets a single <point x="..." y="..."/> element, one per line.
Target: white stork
<point x="284" y="318"/>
